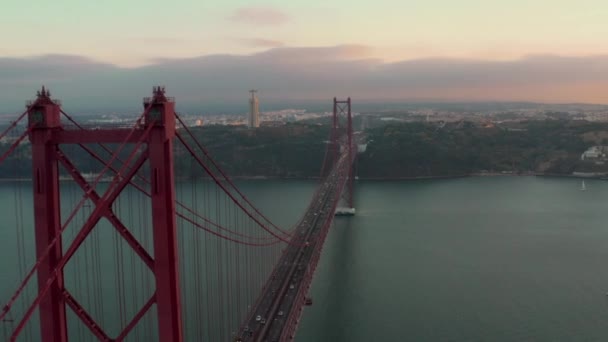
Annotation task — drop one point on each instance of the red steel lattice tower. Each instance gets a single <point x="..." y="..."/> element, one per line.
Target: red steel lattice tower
<point x="156" y="132"/>
<point x="342" y="137"/>
<point x="44" y="118"/>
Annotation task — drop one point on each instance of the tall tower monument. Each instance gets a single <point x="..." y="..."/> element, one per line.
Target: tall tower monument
<point x="254" y="110"/>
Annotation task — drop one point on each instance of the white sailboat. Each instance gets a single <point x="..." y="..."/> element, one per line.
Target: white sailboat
<point x="583" y="188"/>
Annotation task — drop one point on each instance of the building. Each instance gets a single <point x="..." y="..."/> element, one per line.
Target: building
<point x="254" y="110"/>
<point x="273" y="123"/>
<point x="594" y="152"/>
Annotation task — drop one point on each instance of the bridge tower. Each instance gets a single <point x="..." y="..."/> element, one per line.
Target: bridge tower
<point x="44" y="118"/>
<point x="153" y="139"/>
<point x="342" y="138"/>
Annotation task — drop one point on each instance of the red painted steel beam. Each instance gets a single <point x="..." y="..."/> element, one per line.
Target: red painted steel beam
<point x="93" y="136"/>
<point x="335" y="136"/>
<point x="164" y="222"/>
<point x="138" y="316"/>
<point x="95" y="216"/>
<point x="350" y="156"/>
<point x="115" y="221"/>
<point x="85" y="317"/>
<point x="46" y="132"/>
<point x="14" y="146"/>
<point x="180" y="204"/>
<point x="344" y="130"/>
<point x="43" y="118"/>
<point x="13" y="124"/>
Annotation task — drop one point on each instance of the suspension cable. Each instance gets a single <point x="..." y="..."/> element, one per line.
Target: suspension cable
<point x="206" y="153"/>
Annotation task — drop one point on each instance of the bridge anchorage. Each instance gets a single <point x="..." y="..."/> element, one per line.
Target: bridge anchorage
<point x="185" y="262"/>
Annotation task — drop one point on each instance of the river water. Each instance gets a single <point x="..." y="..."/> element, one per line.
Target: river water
<point x="468" y="259"/>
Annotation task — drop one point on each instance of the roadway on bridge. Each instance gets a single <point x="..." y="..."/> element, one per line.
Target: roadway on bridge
<point x="272" y="312"/>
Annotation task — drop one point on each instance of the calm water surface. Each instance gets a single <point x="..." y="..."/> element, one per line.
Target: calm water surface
<point x="471" y="259"/>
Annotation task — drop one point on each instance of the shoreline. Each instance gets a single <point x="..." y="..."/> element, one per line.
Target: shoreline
<point x="557" y="175"/>
<point x="412" y="178"/>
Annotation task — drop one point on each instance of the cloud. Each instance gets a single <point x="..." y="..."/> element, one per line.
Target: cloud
<point x="304" y="74"/>
<point x="259" y="16"/>
<point x="159" y="40"/>
<point x="49" y="67"/>
<point x="260" y="42"/>
<point x="313" y="55"/>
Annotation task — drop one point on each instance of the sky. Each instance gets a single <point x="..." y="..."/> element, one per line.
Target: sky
<point x="533" y="50"/>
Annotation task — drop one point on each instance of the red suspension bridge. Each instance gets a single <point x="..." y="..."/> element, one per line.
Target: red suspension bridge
<point x="123" y="252"/>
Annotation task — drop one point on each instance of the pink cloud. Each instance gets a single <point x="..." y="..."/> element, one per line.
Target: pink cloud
<point x="160" y="40"/>
<point x="259" y="16"/>
<point x="323" y="54"/>
<point x="260" y="42"/>
<point x="310" y="73"/>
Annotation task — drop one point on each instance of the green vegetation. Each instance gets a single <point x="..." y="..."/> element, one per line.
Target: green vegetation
<point x="394" y="151"/>
<point x="293" y="150"/>
<point x="422" y="149"/>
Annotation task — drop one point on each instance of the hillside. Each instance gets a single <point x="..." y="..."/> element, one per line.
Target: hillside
<point x="394" y="151"/>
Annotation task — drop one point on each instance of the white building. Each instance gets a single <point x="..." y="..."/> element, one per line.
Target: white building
<point x="594" y="152"/>
<point x="254" y="110"/>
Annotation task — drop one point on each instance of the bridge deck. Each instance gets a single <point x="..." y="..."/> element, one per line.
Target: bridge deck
<point x="283" y="297"/>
